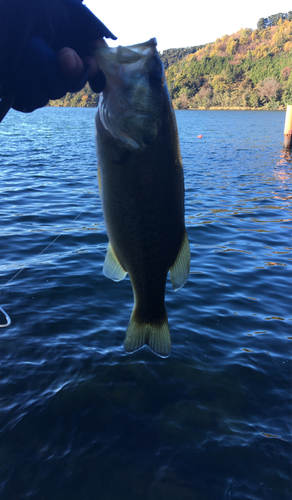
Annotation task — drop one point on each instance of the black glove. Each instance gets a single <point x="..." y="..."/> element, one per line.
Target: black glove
<point x="31" y="34"/>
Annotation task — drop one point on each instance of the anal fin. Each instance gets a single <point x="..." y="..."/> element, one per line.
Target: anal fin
<point x="112" y="268"/>
<point x="179" y="271"/>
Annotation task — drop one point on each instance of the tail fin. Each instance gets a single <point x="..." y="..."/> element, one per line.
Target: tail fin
<point x="156" y="336"/>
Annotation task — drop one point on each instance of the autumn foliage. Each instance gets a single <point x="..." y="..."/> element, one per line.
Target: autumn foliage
<point x="248" y="69"/>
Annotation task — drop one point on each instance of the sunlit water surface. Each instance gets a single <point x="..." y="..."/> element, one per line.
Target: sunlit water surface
<point x="82" y="420"/>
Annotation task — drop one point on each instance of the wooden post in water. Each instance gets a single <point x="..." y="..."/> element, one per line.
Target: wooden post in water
<point x="288" y="128"/>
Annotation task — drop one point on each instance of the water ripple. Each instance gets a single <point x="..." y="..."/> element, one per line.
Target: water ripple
<point x="79" y="417"/>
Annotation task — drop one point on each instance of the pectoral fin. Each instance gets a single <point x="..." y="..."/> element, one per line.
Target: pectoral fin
<point x="112" y="268"/>
<point x="179" y="272"/>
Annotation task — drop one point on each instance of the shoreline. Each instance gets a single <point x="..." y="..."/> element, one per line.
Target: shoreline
<point x="211" y="108"/>
<point x="217" y="108"/>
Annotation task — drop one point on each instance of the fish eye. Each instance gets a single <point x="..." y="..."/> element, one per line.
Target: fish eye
<point x="155" y="80"/>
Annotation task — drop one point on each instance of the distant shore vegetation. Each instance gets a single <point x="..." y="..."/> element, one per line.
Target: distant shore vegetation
<point x="250" y="69"/>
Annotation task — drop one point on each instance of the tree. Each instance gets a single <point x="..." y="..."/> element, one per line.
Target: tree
<point x="261" y="24"/>
<point x="266" y="22"/>
<point x="183" y="102"/>
<point x="269" y="89"/>
<point x="231" y="46"/>
<point x="285" y="73"/>
<point x="280" y="37"/>
<point x="204" y="96"/>
<point x="170" y="57"/>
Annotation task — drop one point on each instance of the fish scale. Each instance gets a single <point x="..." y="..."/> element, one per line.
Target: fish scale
<point x="141" y="186"/>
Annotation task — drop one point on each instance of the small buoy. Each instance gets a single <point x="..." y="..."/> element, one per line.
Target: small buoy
<point x="200" y="136"/>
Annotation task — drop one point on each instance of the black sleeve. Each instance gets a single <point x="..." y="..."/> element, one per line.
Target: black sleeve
<point x="31" y="34"/>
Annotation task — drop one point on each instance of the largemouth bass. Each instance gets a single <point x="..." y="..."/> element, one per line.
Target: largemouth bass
<point x="141" y="186"/>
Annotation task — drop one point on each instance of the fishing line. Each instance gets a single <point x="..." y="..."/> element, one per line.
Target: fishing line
<point x="8" y="320"/>
<point x="3" y="111"/>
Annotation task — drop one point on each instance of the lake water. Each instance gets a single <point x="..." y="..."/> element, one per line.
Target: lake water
<point x="79" y="418"/>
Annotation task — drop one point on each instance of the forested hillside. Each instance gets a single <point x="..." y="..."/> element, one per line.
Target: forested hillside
<point x="248" y="69"/>
<point x="86" y="98"/>
<point x="173" y="56"/>
<point x="266" y="22"/>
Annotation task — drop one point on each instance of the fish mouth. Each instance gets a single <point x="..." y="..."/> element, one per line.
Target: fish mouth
<point x="133" y="53"/>
<point x="130" y="105"/>
<point x="125" y="55"/>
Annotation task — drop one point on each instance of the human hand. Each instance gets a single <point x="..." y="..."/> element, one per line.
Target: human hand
<point x="46" y="46"/>
<point x="73" y="67"/>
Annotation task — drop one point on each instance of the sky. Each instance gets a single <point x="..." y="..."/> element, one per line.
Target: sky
<point x="183" y="23"/>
